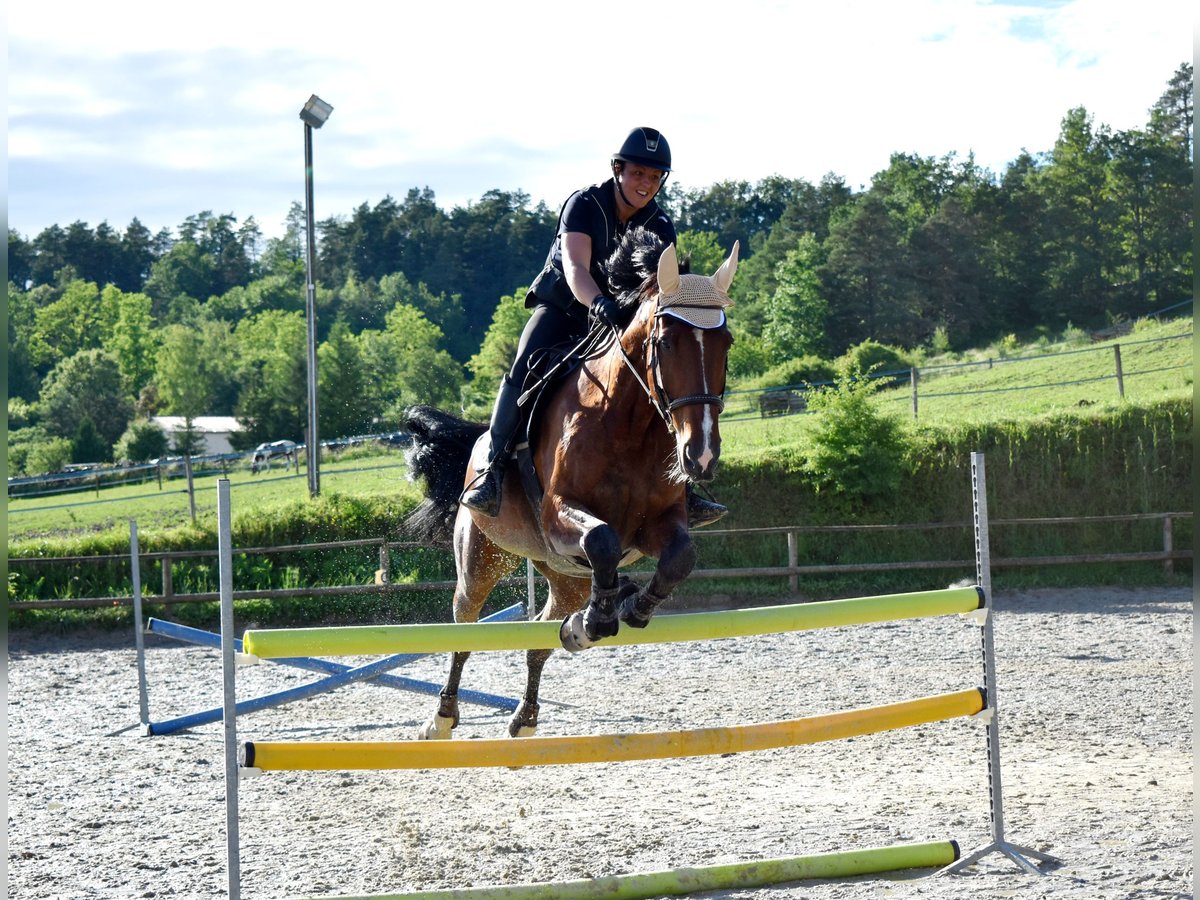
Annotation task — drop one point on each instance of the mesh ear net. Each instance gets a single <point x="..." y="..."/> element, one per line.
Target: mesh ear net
<point x="697" y="302"/>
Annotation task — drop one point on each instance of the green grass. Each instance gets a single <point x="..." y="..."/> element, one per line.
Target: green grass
<point x="1156" y="360"/>
<point x="378" y="475"/>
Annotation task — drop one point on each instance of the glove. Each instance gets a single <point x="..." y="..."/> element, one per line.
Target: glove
<point x="605" y="309"/>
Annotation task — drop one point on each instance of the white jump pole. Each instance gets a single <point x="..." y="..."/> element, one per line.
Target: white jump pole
<point x="225" y="563"/>
<point x="138" y="636"/>
<point x="983" y="576"/>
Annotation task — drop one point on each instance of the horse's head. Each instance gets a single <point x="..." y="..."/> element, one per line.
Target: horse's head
<point x="687" y="346"/>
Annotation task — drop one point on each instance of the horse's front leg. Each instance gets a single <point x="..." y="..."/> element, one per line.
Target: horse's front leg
<point x="573" y="530"/>
<point x="675" y="562"/>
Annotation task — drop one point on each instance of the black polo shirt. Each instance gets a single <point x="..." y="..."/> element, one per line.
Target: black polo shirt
<point x="593" y="211"/>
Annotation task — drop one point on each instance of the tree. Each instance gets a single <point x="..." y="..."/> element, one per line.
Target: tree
<point x="868" y="278"/>
<point x="87" y="446"/>
<point x="273" y="372"/>
<point x="702" y="251"/>
<point x="20" y="260"/>
<point x="182" y="382"/>
<point x="499" y="349"/>
<point x="183" y="272"/>
<point x="67" y="325"/>
<point x="133" y="341"/>
<point x="407" y="365"/>
<point x="1080" y="219"/>
<point x="344" y="403"/>
<point x="797" y="311"/>
<point x="86" y="385"/>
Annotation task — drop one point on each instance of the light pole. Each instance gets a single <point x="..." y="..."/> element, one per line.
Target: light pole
<point x="314" y="114"/>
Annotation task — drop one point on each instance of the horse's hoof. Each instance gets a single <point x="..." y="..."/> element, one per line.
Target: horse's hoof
<point x="524" y="720"/>
<point x="436" y="729"/>
<point x="521" y="731"/>
<point x="572" y="635"/>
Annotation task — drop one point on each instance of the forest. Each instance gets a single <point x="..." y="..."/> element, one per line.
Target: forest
<point x="108" y="327"/>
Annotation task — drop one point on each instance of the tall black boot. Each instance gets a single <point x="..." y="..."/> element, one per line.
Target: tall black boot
<point x="484" y="497"/>
<point x="702" y="512"/>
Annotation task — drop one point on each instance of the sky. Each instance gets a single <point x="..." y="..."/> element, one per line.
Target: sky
<point x="161" y="111"/>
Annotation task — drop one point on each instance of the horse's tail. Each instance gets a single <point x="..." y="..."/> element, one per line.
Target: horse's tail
<point x="438" y="459"/>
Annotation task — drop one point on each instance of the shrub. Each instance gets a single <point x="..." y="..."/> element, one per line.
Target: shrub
<point x="48" y="456"/>
<point x="794" y="372"/>
<point x="856" y="451"/>
<point x="872" y="357"/>
<point x="143" y="440"/>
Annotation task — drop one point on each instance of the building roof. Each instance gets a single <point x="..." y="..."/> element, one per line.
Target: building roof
<point x="203" y="424"/>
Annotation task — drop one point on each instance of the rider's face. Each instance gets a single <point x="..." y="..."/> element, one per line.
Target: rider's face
<point x="640" y="183"/>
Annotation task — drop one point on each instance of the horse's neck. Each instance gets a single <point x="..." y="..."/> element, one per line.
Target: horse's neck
<point x="627" y="401"/>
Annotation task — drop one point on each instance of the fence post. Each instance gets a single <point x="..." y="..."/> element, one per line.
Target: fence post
<point x="1168" y="545"/>
<point x="168" y="588"/>
<point x="1120" y="373"/>
<point x="191" y="490"/>
<point x="384" y="575"/>
<point x="913" y="378"/>
<point x="793" y="561"/>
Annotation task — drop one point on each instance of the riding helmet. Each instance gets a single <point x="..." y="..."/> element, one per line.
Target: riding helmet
<point x="646" y="146"/>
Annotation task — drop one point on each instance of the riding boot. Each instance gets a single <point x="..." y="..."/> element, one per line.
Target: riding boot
<point x="702" y="512"/>
<point x="484" y="497"/>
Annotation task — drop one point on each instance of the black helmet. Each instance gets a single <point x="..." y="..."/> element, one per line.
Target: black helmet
<point x="646" y="146"/>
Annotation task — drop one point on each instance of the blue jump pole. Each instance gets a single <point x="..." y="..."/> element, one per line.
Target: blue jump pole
<point x="339" y="675"/>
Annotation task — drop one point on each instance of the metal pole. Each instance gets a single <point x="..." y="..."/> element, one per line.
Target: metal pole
<point x="310" y="310"/>
<point x="139" y="639"/>
<point x="913" y="375"/>
<point x="530" y="594"/>
<point x="1120" y="371"/>
<point x="983" y="576"/>
<point x="229" y="704"/>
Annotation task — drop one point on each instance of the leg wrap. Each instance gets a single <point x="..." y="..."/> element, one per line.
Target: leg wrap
<point x="638" y="606"/>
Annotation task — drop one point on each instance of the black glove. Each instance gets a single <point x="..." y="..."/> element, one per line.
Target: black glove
<point x="605" y="309"/>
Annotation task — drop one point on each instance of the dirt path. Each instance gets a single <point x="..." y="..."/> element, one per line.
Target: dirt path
<point x="1095" y="690"/>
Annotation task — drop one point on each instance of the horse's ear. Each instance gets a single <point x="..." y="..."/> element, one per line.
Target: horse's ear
<point x="724" y="275"/>
<point x="668" y="271"/>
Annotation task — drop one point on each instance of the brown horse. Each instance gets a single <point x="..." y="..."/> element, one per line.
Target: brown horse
<point x="614" y="446"/>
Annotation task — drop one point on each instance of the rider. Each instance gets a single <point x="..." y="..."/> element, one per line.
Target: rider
<point x="573" y="283"/>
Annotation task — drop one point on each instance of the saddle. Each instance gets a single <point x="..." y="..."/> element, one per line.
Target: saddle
<point x="546" y="372"/>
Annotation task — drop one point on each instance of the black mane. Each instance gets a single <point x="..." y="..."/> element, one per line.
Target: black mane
<point x="632" y="268"/>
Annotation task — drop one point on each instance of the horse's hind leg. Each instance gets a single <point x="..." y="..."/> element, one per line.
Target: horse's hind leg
<point x="481" y="564"/>
<point x="566" y="595"/>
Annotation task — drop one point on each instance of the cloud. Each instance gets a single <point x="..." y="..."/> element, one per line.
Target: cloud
<point x="124" y="113"/>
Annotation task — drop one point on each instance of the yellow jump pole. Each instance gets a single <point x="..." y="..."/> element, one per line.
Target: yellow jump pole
<point x="361" y="640"/>
<point x="278" y="756"/>
<point x="705" y="878"/>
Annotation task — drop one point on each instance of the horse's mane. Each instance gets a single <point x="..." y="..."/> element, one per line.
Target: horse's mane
<point x="632" y="268"/>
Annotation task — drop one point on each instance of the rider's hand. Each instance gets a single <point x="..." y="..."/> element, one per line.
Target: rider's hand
<point x="606" y="310"/>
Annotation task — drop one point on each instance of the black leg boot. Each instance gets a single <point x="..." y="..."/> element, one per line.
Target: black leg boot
<point x="484" y="497"/>
<point x="702" y="512"/>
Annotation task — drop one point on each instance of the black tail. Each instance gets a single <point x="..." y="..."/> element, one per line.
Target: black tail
<point x="438" y="457"/>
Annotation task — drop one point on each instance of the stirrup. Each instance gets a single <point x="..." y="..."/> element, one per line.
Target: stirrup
<point x="703" y="512"/>
<point x="485" y="497"/>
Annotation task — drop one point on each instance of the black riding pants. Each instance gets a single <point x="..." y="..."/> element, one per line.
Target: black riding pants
<point x="547" y="327"/>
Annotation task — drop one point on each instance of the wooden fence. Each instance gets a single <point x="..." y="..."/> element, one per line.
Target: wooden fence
<point x="792" y="571"/>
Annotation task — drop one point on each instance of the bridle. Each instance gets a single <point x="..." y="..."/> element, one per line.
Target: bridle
<point x="657" y="394"/>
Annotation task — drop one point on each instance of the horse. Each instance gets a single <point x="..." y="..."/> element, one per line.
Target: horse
<point x="264" y="453"/>
<point x="607" y="461"/>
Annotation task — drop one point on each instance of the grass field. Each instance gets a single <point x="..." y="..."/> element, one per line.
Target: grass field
<point x="1157" y="361"/>
<point x="382" y="474"/>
